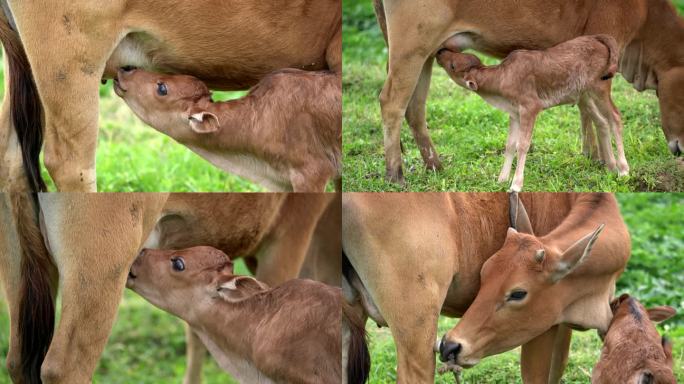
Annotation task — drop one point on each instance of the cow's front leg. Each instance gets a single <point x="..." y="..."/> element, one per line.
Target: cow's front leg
<point x="67" y="48"/>
<point x="195" y="351"/>
<point x="543" y="359"/>
<point x="94" y="239"/>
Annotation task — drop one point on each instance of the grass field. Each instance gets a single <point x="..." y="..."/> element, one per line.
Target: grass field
<point x="132" y="156"/>
<point x="470" y="135"/>
<point x="655" y="275"/>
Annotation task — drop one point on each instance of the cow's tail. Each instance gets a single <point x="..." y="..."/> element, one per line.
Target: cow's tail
<point x="613" y="55"/>
<point x="380" y="16"/>
<point x="26" y="110"/>
<point x="358" y="357"/>
<point x="36" y="303"/>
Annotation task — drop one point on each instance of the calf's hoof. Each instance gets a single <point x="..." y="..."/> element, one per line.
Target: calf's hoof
<point x="433" y="165"/>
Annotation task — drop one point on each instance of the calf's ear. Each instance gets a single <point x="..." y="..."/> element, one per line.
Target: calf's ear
<point x="574" y="255"/>
<point x="471" y="84"/>
<point x="660" y="313"/>
<point x="203" y="122"/>
<point x="238" y="288"/>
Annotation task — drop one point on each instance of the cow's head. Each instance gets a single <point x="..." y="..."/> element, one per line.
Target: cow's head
<point x="524" y="290"/>
<point x="176" y="281"/>
<point x="177" y="105"/>
<point x="632" y="338"/>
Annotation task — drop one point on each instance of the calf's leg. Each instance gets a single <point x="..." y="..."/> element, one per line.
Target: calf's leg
<point x="603" y="128"/>
<point x="589" y="148"/>
<point x="526" y="125"/>
<point x="611" y="114"/>
<point x="511" y="143"/>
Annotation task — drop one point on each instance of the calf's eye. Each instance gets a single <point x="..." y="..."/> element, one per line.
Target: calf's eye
<point x="178" y="264"/>
<point x="161" y="89"/>
<point x="452" y="66"/>
<point x="517" y="295"/>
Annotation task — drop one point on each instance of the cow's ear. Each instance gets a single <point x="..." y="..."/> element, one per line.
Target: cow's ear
<point x="238" y="288"/>
<point x="574" y="255"/>
<point x="202" y="121"/>
<point x="518" y="215"/>
<point x="661" y="313"/>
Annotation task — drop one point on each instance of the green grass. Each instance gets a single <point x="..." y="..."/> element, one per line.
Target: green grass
<point x="655" y="275"/>
<point x="470" y="135"/>
<point x="132" y="156"/>
<point x="146" y="346"/>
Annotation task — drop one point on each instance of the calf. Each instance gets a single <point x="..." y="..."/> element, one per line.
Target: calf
<point x="287" y="334"/>
<point x="577" y="71"/>
<point x="285" y="134"/>
<point x="633" y="351"/>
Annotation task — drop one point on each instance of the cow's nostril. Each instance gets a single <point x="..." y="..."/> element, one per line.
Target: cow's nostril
<point x="131" y="274"/>
<point x="675" y="147"/>
<point x="448" y="350"/>
<point x="128" y="68"/>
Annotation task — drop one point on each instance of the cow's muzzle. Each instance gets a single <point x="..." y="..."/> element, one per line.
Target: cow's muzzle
<point x="675" y="147"/>
<point x="448" y="350"/>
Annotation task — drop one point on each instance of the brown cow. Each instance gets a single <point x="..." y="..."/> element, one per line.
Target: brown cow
<point x="633" y="351"/>
<point x="524" y="84"/>
<point x="286" y="334"/>
<point x="649" y="33"/>
<point x="92" y="239"/>
<point x="414" y="256"/>
<point x="285" y="134"/>
<point x="67" y="47"/>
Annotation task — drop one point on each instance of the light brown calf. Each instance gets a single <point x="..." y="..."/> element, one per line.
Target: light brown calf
<point x="285" y="134"/>
<point x="92" y="239"/>
<point x="527" y="82"/>
<point x="633" y="351"/>
<point x="290" y="333"/>
<point x="649" y="33"/>
<point x="413" y="257"/>
<point x="59" y="51"/>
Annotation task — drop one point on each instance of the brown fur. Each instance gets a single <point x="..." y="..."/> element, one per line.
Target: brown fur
<point x="94" y="239"/>
<point x="633" y="351"/>
<point x="651" y="31"/>
<point x="230" y="46"/>
<point x="419" y="255"/>
<point x="528" y="82"/>
<point x="291" y="121"/>
<point x="244" y="319"/>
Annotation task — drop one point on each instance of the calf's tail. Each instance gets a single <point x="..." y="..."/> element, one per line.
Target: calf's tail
<point x="26" y="110"/>
<point x="36" y="305"/>
<point x="613" y="55"/>
<point x="358" y="359"/>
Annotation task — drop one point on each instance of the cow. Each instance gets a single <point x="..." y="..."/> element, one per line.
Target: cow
<point x="410" y="257"/>
<point x="289" y="333"/>
<point x="649" y="34"/>
<point x="633" y="351"/>
<point x="85" y="244"/>
<point x="285" y="134"/>
<point x="57" y="53"/>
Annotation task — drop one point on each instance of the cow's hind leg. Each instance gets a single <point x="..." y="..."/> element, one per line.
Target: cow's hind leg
<point x="67" y="76"/>
<point x="408" y="54"/>
<point x="94" y="239"/>
<point x="544" y="358"/>
<point x="416" y="118"/>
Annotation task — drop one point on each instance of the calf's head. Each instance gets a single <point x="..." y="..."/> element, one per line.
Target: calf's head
<point x="457" y="65"/>
<point x="177" y="105"/>
<point x="523" y="292"/>
<point x="179" y="280"/>
<point x="633" y="351"/>
<point x="671" y="97"/>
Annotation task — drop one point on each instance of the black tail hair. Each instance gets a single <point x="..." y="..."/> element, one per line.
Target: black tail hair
<point x="36" y="305"/>
<point x="26" y="110"/>
<point x="358" y="358"/>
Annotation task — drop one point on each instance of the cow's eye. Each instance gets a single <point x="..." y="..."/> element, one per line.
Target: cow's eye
<point x="517" y="295"/>
<point x="161" y="89"/>
<point x="178" y="264"/>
